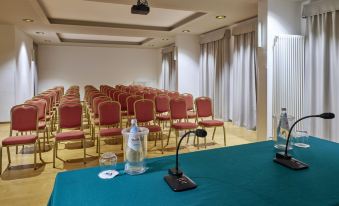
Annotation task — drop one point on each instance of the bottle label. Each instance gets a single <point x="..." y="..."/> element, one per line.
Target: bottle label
<point x="134" y="142"/>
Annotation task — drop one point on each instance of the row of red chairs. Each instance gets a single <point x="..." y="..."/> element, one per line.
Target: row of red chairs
<point x="31" y="118"/>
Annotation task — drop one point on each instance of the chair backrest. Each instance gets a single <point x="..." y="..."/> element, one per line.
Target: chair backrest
<point x="162" y="103"/>
<point x="96" y="102"/>
<point x="48" y="101"/>
<point x="130" y="104"/>
<point x="42" y="107"/>
<point x="204" y="107"/>
<point x="70" y="116"/>
<point x="178" y="109"/>
<point x="173" y="95"/>
<point x="24" y="117"/>
<point x="116" y="95"/>
<point x="189" y="101"/>
<point x="144" y="110"/>
<point x="150" y="95"/>
<point x="109" y="113"/>
<point x="123" y="100"/>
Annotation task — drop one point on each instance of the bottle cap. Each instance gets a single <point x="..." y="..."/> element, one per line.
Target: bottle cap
<point x="133" y="121"/>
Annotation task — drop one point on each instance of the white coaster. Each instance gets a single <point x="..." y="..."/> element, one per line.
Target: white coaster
<point x="108" y="174"/>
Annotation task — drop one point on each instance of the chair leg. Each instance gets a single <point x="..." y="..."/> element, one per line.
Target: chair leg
<point x="98" y="146"/>
<point x="224" y="135"/>
<point x="40" y="151"/>
<point x="198" y="142"/>
<point x="155" y="141"/>
<point x="16" y="149"/>
<point x="9" y="156"/>
<point x="176" y="137"/>
<point x="44" y="142"/>
<point x="169" y="135"/>
<point x="54" y="152"/>
<point x="35" y="155"/>
<point x="122" y="143"/>
<point x="214" y="133"/>
<point x="84" y="145"/>
<point x="162" y="143"/>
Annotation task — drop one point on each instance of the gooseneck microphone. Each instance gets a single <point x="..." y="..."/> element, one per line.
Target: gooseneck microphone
<point x="176" y="179"/>
<point x="287" y="160"/>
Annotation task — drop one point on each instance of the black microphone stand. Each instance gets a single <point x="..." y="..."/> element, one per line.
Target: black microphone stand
<point x="286" y="160"/>
<point x="176" y="179"/>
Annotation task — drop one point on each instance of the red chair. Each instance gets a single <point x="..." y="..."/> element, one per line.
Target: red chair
<point x="145" y="115"/>
<point x="24" y="119"/>
<point x="130" y="107"/>
<point x="70" y="117"/>
<point x="95" y="113"/>
<point x="116" y="95"/>
<point x="42" y="124"/>
<point x="191" y="114"/>
<point x="205" y="110"/>
<point x="162" y="108"/>
<point x="150" y="96"/>
<point x="179" y="120"/>
<point x="173" y="95"/>
<point x="122" y="99"/>
<point x="110" y="119"/>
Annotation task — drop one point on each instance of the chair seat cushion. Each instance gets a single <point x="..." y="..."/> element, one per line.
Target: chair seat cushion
<point x="153" y="128"/>
<point x="124" y="113"/>
<point x="96" y="121"/>
<point x="72" y="135"/>
<point x="108" y="132"/>
<point x="163" y="117"/>
<point x="184" y="125"/>
<point x="42" y="125"/>
<point x="15" y="140"/>
<point x="211" y="123"/>
<point x="191" y="114"/>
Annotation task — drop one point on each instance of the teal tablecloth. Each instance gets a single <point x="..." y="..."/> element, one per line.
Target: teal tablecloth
<point x="240" y="175"/>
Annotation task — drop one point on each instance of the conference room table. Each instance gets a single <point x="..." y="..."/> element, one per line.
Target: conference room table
<point x="237" y="175"/>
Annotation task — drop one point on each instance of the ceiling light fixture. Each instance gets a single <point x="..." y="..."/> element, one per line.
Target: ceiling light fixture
<point x="186" y="31"/>
<point x="140" y="8"/>
<point x="28" y="20"/>
<point x="40" y="32"/>
<point x="164" y="39"/>
<point x="220" y="17"/>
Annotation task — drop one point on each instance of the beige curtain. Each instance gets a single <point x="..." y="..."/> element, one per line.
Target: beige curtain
<point x="169" y="70"/>
<point x="214" y="75"/>
<point x="322" y="73"/>
<point x="244" y="69"/>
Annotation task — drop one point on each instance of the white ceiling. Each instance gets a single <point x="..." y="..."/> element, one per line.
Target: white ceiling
<point x="110" y="20"/>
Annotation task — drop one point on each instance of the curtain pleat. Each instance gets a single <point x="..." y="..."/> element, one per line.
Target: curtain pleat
<point x="322" y="75"/>
<point x="169" y="71"/>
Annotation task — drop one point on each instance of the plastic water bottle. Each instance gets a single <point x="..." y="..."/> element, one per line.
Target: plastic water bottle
<point x="282" y="132"/>
<point x="134" y="154"/>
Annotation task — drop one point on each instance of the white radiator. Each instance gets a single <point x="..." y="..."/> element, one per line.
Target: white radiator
<point x="288" y="76"/>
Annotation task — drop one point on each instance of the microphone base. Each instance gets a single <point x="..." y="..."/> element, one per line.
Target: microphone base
<point x="289" y="162"/>
<point x="180" y="183"/>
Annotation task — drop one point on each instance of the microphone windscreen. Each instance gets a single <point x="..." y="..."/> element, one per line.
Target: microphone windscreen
<point x="201" y="133"/>
<point x="327" y="115"/>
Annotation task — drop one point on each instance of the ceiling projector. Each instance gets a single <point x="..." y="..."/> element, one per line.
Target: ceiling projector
<point x="141" y="8"/>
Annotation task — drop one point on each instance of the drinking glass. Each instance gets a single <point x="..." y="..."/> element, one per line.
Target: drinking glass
<point x="107" y="163"/>
<point x="301" y="139"/>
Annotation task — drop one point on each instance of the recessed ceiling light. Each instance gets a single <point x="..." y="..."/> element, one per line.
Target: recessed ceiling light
<point x="186" y="31"/>
<point x="152" y="45"/>
<point x="220" y="17"/>
<point x="40" y="32"/>
<point x="164" y="39"/>
<point x="28" y="20"/>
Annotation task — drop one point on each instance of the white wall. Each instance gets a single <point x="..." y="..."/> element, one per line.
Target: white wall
<point x="78" y="65"/>
<point x="15" y="69"/>
<point x="284" y="17"/>
<point x="188" y="63"/>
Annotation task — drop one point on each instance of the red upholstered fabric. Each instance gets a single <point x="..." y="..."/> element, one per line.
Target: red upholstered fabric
<point x="96" y="102"/>
<point x="150" y="96"/>
<point x="70" y="115"/>
<point x="116" y="95"/>
<point x="123" y="100"/>
<point x="162" y="103"/>
<point x="204" y="107"/>
<point x="163" y="117"/>
<point x="178" y="108"/>
<point x="211" y="123"/>
<point x="110" y="132"/>
<point x="47" y="98"/>
<point x="173" y="95"/>
<point x="42" y="125"/>
<point x="15" y="140"/>
<point x="191" y="114"/>
<point x="189" y="101"/>
<point x="109" y="113"/>
<point x="24" y="117"/>
<point x="153" y="128"/>
<point x="72" y="135"/>
<point x="130" y="104"/>
<point x="184" y="125"/>
<point x="41" y="104"/>
<point x="144" y="110"/>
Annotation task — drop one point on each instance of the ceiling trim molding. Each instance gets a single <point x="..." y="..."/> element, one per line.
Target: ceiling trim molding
<point x="125" y="26"/>
<point x="88" y="41"/>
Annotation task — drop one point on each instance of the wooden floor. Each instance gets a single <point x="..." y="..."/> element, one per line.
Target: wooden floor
<point x="22" y="185"/>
